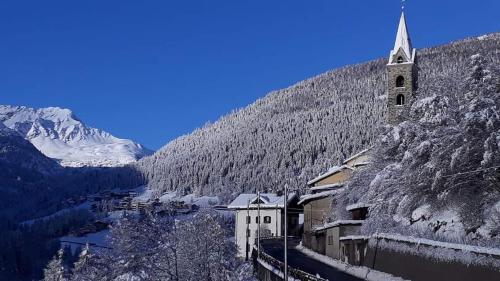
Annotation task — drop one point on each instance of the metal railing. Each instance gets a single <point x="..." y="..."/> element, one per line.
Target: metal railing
<point x="292" y="272"/>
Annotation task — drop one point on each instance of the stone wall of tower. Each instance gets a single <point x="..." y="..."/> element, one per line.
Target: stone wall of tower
<point x="407" y="70"/>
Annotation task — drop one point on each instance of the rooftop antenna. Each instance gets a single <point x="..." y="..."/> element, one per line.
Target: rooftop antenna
<point x="403" y="2"/>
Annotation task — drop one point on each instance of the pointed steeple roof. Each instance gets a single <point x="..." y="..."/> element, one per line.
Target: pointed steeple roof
<point x="403" y="40"/>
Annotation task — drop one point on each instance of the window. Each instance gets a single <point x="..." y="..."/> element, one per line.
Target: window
<point x="267" y="219"/>
<point x="400" y="59"/>
<point x="330" y="240"/>
<point x="257" y="220"/>
<point x="400" y="99"/>
<point x="249" y="219"/>
<point x="400" y="82"/>
<point x="248" y="232"/>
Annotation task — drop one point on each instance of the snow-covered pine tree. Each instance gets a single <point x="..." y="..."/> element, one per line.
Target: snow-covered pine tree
<point x="55" y="270"/>
<point x="298" y="132"/>
<point x="90" y="267"/>
<point x="437" y="173"/>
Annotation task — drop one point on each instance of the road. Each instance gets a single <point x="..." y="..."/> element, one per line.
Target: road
<point x="299" y="260"/>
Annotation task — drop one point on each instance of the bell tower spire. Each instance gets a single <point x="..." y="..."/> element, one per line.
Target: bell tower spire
<point x="401" y="72"/>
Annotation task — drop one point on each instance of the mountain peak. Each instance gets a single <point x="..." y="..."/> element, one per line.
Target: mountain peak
<point x="59" y="134"/>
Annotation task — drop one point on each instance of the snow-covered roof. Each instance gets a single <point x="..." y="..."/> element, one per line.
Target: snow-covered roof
<point x="362" y="152"/>
<point x="333" y="170"/>
<point x="358" y="205"/>
<point x="309" y="197"/>
<point x="270" y="200"/>
<point x="326" y="187"/>
<point x="403" y="40"/>
<point x="354" y="237"/>
<point x="361" y="164"/>
<point x="337" y="223"/>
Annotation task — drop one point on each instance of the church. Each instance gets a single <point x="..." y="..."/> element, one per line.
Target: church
<point x="321" y="233"/>
<point x="401" y="74"/>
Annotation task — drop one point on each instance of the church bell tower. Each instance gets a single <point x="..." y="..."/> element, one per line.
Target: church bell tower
<point x="401" y="74"/>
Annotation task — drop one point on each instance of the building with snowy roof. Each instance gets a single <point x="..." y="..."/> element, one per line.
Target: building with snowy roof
<point x="264" y="212"/>
<point x="319" y="202"/>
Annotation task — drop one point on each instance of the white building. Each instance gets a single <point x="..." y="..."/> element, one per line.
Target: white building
<point x="271" y="208"/>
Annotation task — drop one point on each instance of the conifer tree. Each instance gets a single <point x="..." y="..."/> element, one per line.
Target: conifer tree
<point x="55" y="271"/>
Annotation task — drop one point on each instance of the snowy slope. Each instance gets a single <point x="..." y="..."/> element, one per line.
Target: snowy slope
<point x="437" y="174"/>
<point x="58" y="134"/>
<point x="298" y="132"/>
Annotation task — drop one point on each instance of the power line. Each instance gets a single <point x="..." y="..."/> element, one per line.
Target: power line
<point x="84" y="244"/>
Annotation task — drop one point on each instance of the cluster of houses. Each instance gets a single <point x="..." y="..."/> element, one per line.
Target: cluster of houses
<point x="308" y="217"/>
<point x="323" y="234"/>
<point x="320" y="231"/>
<point x="108" y="201"/>
<point x="126" y="201"/>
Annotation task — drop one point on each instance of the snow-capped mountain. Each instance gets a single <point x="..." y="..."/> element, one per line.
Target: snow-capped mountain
<point x="59" y="134"/>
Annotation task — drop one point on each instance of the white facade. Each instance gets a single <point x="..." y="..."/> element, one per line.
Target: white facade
<point x="270" y="225"/>
<point x="271" y="210"/>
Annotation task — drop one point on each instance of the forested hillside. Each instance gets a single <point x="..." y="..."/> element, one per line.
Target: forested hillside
<point x="437" y="174"/>
<point x="293" y="134"/>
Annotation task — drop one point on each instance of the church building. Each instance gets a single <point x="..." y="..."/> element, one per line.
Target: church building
<point x="401" y="74"/>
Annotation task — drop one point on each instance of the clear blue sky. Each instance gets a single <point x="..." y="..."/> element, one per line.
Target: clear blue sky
<point x="154" y="70"/>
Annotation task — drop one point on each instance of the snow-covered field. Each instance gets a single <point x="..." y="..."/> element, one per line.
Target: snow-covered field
<point x="98" y="239"/>
<point x="145" y="194"/>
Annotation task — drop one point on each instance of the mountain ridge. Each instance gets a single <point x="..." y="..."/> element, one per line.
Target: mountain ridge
<point x="295" y="133"/>
<point x="59" y="134"/>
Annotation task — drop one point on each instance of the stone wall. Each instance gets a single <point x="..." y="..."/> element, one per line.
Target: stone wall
<point x="393" y="71"/>
<point x="412" y="261"/>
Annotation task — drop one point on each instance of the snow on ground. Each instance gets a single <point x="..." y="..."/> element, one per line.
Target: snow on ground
<point x="357" y="271"/>
<point x="275" y="270"/>
<point x="446" y="224"/>
<point x="98" y="239"/>
<point x="437" y="250"/>
<point x="84" y="206"/>
<point x="167" y="197"/>
<point x="202" y="202"/>
<point x="144" y="194"/>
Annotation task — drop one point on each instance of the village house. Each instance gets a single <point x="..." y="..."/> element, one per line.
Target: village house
<point x="322" y="233"/>
<point x="271" y="220"/>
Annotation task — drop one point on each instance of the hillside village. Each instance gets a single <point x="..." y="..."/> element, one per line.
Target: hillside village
<point x="326" y="225"/>
<point x="387" y="170"/>
<point x="335" y="239"/>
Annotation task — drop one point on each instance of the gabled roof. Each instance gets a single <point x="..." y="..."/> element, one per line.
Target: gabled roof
<point x="337" y="223"/>
<point x="310" y="197"/>
<point x="359" y="205"/>
<point x="325" y="187"/>
<point x="333" y="170"/>
<point x="361" y="153"/>
<point x="269" y="200"/>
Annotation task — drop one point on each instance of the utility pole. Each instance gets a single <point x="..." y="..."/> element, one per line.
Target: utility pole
<point x="248" y="220"/>
<point x="286" y="234"/>
<point x="276" y="221"/>
<point x="258" y="224"/>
